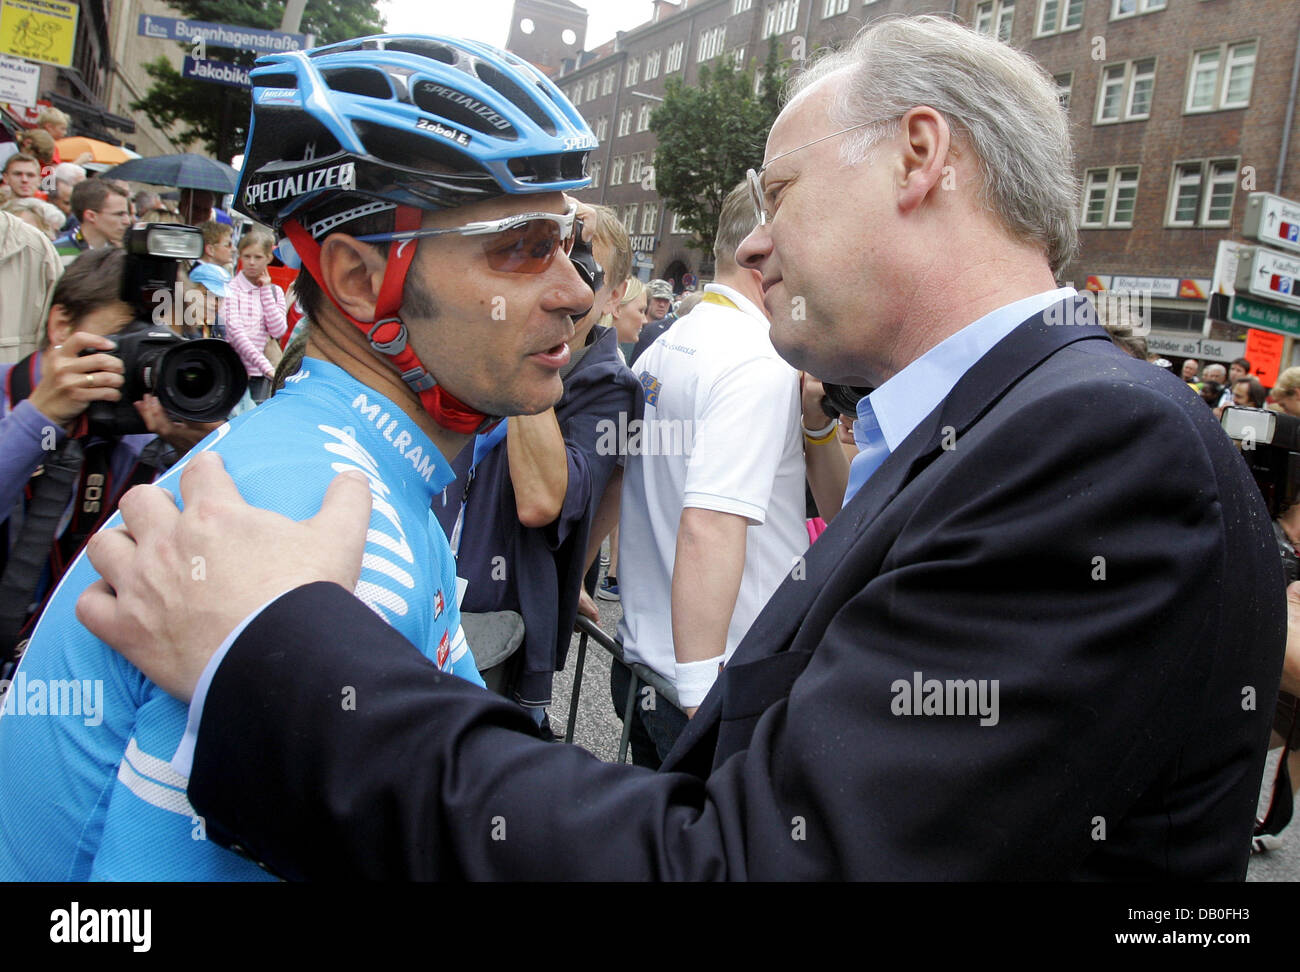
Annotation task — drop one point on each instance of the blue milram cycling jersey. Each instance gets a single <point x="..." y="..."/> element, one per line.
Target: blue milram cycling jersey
<point x="87" y="790"/>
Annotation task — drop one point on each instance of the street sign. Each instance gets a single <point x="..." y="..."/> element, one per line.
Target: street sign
<point x="38" y="30"/>
<point x="220" y="72"/>
<point x="218" y="35"/>
<point x="19" y="81"/>
<point x="1271" y="275"/>
<point x="1273" y="220"/>
<point x="1268" y="317"/>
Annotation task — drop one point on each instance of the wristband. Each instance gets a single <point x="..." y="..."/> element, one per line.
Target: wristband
<point x="821" y="435"/>
<point x="694" y="679"/>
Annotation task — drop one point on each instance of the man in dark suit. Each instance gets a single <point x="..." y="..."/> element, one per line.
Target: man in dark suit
<point x="1017" y="652"/>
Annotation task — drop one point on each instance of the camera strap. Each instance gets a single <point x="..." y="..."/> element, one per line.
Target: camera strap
<point x="47" y="499"/>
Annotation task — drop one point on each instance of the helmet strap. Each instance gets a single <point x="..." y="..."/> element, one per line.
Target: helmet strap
<point x="387" y="333"/>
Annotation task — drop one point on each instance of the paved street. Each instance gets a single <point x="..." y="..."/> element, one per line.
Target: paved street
<point x="598" y="730"/>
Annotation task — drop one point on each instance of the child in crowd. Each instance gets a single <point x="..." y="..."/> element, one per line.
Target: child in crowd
<point x="255" y="313"/>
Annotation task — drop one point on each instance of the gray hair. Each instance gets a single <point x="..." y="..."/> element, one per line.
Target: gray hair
<point x="996" y="99"/>
<point x="50" y="215"/>
<point x="69" y="173"/>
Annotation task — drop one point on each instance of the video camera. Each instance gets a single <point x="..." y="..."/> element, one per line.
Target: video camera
<point x="196" y="379"/>
<point x="1270" y="444"/>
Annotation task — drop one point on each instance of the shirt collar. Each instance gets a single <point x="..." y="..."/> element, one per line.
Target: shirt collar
<point x="909" y="396"/>
<point x="740" y="300"/>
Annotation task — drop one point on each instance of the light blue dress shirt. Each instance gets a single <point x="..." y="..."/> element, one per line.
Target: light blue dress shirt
<point x="890" y="413"/>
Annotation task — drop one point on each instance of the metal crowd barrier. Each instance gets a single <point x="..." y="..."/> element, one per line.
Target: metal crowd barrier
<point x="588" y="629"/>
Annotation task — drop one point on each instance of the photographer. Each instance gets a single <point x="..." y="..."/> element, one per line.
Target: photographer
<point x="46" y="396"/>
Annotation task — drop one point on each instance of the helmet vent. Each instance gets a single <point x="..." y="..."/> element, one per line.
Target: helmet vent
<point x="359" y="81"/>
<point x="424" y="48"/>
<point x="521" y="100"/>
<point x="276" y="81"/>
<point x="412" y="151"/>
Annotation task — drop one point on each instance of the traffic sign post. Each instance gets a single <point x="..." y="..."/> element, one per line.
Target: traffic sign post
<point x="1271" y="275"/>
<point x="1272" y="220"/>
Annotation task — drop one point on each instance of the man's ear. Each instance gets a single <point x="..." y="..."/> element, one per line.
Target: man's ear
<point x="59" y="326"/>
<point x="615" y="295"/>
<point x="353" y="273"/>
<point x="927" y="140"/>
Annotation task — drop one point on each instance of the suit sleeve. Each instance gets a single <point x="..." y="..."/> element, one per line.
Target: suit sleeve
<point x="1099" y="667"/>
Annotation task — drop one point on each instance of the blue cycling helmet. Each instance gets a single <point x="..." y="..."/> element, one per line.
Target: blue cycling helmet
<point x="403" y="120"/>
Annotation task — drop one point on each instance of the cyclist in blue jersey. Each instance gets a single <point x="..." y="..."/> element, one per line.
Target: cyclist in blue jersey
<point x="418" y="181"/>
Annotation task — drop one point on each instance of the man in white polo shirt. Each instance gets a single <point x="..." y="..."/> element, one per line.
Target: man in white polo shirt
<point x="713" y="490"/>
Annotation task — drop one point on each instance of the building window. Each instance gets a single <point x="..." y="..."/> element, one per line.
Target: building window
<point x="624" y="122"/>
<point x="740" y="6"/>
<point x="674" y="59"/>
<point x="1125" y="91"/>
<point x="575" y="95"/>
<point x="1221" y="77"/>
<point x="1129" y="8"/>
<point x="607" y="82"/>
<point x="758" y="81"/>
<point x="648" y="214"/>
<point x="1056" y="16"/>
<point x="634" y="167"/>
<point x="595" y="175"/>
<point x="993" y="18"/>
<point x="633" y="71"/>
<point x="602" y="127"/>
<point x="1110" y="197"/>
<point x="1063" y="84"/>
<point x="780" y="17"/>
<point x="629" y="218"/>
<point x="677" y="226"/>
<point x="1201" y="193"/>
<point x="593" y="87"/>
<point x="711" y="42"/>
<point x="833" y="8"/>
<point x="652" y="65"/>
<point x="737" y="58"/>
<point x="643" y="118"/>
<point x="616" y="171"/>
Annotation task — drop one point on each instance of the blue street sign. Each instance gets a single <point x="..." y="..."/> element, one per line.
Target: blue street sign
<point x="220" y="72"/>
<point x="219" y="35"/>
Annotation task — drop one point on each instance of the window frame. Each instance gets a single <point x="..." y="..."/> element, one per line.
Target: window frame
<point x="1128" y="86"/>
<point x="1222" y="75"/>
<point x="649" y="213"/>
<point x="1067" y="88"/>
<point x="841" y="6"/>
<point x="1062" y="12"/>
<point x="1140" y="8"/>
<point x="1110" y="197"/>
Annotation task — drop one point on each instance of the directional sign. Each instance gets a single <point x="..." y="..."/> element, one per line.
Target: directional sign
<point x="218" y="35"/>
<point x="1267" y="317"/>
<point x="1273" y="276"/>
<point x="222" y="72"/>
<point x="1273" y="220"/>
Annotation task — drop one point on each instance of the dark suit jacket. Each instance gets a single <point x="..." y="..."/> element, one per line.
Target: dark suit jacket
<point x="1057" y="526"/>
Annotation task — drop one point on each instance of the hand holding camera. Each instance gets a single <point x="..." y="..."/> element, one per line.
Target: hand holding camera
<point x="73" y="378"/>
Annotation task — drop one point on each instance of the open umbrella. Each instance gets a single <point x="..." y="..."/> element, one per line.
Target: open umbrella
<point x="184" y="170"/>
<point x="101" y="153"/>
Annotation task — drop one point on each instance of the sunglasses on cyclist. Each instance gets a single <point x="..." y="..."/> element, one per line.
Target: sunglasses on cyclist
<point x="525" y="243"/>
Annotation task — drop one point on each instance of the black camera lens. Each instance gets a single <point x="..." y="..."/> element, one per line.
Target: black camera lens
<point x="200" y="380"/>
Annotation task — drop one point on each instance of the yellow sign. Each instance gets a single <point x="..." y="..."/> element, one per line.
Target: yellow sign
<point x="39" y="30"/>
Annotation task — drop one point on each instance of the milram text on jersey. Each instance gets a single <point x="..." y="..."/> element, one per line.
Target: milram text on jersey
<point x="102" y="801"/>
